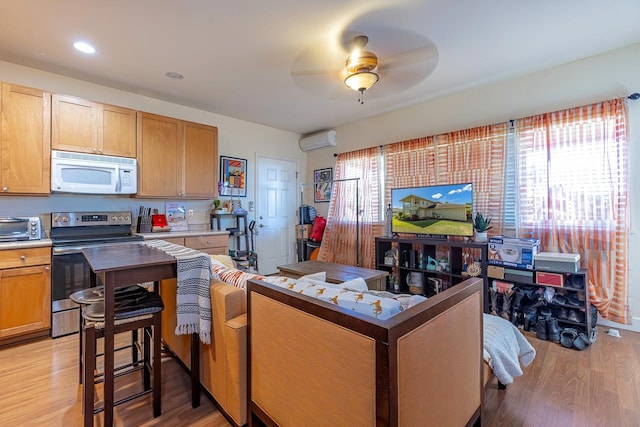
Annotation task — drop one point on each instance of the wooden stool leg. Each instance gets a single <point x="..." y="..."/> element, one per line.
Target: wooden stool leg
<point x="134" y="346"/>
<point x="157" y="366"/>
<point x="89" y="367"/>
<point x="146" y="346"/>
<point x="80" y="344"/>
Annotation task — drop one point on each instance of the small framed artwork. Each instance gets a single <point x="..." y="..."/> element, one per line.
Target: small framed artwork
<point x="322" y="179"/>
<point x="233" y="176"/>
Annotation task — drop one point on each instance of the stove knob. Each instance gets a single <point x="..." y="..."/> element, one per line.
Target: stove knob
<point x="114" y="218"/>
<point x="65" y="219"/>
<point x="121" y="218"/>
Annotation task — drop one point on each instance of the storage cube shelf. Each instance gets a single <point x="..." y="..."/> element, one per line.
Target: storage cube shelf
<point x="570" y="292"/>
<point x="434" y="264"/>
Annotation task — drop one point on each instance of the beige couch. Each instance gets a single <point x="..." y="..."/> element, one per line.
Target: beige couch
<point x="315" y="363"/>
<point x="223" y="362"/>
<point x="422" y="339"/>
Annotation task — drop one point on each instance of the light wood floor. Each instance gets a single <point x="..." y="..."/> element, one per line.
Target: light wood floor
<point x="39" y="387"/>
<point x="599" y="386"/>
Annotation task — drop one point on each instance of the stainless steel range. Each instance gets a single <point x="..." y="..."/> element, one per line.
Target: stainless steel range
<point x="70" y="232"/>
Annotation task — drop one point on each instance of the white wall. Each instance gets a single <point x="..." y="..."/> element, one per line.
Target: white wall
<point x="236" y="138"/>
<point x="611" y="75"/>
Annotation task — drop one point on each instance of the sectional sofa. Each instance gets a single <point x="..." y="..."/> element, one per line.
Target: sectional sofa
<point x="397" y="362"/>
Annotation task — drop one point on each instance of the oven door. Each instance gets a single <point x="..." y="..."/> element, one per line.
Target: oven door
<point x="70" y="272"/>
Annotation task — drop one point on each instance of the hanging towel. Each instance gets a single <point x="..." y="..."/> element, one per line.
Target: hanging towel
<point x="193" y="297"/>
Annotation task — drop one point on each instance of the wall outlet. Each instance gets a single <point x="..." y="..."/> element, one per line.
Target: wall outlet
<point x="250" y="205"/>
<point x="190" y="213"/>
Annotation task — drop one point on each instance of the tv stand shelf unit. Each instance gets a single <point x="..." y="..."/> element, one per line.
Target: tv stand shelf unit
<point x="423" y="255"/>
<point x="572" y="289"/>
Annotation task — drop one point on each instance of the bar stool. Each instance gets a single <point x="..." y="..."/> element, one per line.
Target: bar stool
<point x="85" y="297"/>
<point x="141" y="312"/>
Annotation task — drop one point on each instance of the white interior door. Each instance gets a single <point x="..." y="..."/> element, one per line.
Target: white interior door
<point x="275" y="215"/>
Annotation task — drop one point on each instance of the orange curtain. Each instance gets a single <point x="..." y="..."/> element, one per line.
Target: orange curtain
<point x="349" y="236"/>
<point x="573" y="189"/>
<point x="472" y="155"/>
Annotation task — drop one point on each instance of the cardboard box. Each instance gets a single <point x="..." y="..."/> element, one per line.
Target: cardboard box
<point x="549" y="279"/>
<point x="513" y="252"/>
<point x="495" y="272"/>
<point x="303" y="231"/>
<point x="520" y="276"/>
<point x="552" y="261"/>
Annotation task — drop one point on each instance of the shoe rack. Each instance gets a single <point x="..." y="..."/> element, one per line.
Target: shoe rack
<point x="427" y="266"/>
<point x="523" y="294"/>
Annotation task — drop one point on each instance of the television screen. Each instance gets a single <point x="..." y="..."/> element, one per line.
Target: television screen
<point x="435" y="209"/>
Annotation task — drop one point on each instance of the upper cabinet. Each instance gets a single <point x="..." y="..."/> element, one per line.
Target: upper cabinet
<point x="176" y="158"/>
<point x="200" y="161"/>
<point x="90" y="127"/>
<point x="25" y="140"/>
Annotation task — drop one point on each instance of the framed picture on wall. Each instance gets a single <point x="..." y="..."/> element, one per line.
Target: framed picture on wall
<point x="233" y="176"/>
<point x="322" y="179"/>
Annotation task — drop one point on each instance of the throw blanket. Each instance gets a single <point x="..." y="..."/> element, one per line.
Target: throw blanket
<point x="505" y="348"/>
<point x="193" y="296"/>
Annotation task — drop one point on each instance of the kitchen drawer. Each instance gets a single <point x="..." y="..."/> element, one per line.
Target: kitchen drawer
<point x="175" y="240"/>
<point x="204" y="242"/>
<point x="12" y="258"/>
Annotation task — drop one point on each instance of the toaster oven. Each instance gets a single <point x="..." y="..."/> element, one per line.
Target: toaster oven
<point x="13" y="229"/>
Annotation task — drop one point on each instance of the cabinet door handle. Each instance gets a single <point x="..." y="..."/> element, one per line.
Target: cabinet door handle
<point x="22" y="257"/>
<point x="46" y="269"/>
<point x="208" y="242"/>
<point x="5" y="189"/>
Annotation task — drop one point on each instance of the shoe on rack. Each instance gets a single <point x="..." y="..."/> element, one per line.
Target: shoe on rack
<point x="553" y="330"/>
<point x="563" y="314"/>
<point x="568" y="336"/>
<point x="559" y="299"/>
<point x="573" y="300"/>
<point x="573" y="316"/>
<point x="530" y="318"/>
<point x="545" y="312"/>
<point x="541" y="328"/>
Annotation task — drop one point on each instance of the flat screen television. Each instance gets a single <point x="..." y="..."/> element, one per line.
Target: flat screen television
<point x="441" y="210"/>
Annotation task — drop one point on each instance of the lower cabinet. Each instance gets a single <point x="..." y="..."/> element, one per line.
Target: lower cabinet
<point x="25" y="292"/>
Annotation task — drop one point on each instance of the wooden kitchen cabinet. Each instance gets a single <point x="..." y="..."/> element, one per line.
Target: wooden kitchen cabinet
<point x="89" y="127"/>
<point x="176" y="158"/>
<point x="25" y="140"/>
<point x="200" y="161"/>
<point x="25" y="293"/>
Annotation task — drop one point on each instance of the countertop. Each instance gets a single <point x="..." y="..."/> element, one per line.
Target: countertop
<point x="42" y="243"/>
<point x="186" y="233"/>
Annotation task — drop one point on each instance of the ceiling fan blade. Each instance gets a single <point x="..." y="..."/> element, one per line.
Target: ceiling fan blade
<point x="425" y="57"/>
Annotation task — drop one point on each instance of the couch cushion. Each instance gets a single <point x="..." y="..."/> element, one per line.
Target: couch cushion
<point x="367" y="303"/>
<point x="232" y="276"/>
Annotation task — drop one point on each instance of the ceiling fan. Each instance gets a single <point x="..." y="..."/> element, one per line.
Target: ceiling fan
<point x="360" y="66"/>
<point x="402" y="60"/>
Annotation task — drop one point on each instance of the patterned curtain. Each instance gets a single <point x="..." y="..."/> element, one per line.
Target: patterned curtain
<point x="472" y="155"/>
<point x="573" y="190"/>
<point x="349" y="236"/>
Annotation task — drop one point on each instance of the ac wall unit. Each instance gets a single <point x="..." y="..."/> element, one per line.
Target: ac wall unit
<point x="326" y="138"/>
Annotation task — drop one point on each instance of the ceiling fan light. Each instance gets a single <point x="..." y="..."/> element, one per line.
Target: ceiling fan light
<point x="361" y="81"/>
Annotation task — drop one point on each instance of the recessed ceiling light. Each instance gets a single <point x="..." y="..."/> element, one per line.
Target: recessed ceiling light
<point x="84" y="47"/>
<point x="173" y="75"/>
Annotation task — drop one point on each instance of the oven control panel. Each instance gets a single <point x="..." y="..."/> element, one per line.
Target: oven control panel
<point x="79" y="219"/>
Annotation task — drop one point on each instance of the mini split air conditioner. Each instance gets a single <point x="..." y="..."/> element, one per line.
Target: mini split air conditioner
<point x="326" y="138"/>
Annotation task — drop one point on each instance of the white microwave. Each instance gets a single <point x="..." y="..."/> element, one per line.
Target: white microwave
<point x="93" y="174"/>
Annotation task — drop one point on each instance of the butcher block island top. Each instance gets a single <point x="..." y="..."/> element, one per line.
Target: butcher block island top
<point x="336" y="273"/>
